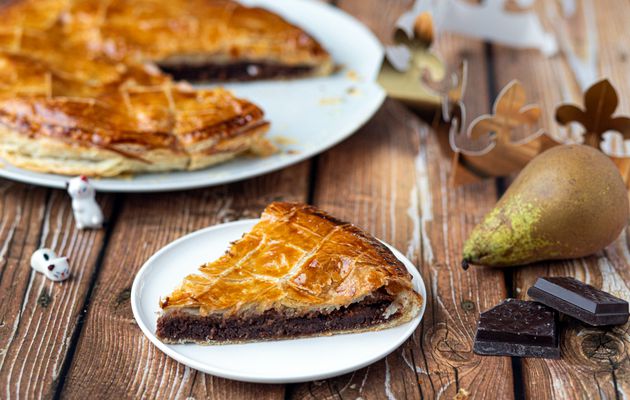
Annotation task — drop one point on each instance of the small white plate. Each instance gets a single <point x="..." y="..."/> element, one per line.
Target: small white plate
<point x="282" y="361"/>
<point x="309" y="115"/>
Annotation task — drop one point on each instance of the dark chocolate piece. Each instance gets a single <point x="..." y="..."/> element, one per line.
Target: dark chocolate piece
<point x="518" y="328"/>
<point x="580" y="301"/>
<point x="238" y="71"/>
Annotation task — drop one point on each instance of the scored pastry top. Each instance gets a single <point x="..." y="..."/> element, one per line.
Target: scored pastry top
<point x="164" y="116"/>
<point x="296" y="258"/>
<point x="156" y="30"/>
<point x="59" y="80"/>
<point x="81" y="91"/>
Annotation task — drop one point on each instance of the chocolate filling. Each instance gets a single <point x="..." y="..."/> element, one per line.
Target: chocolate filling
<point x="184" y="326"/>
<point x="238" y="71"/>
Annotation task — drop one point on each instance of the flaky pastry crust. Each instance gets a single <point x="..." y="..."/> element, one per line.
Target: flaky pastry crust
<point x="81" y="93"/>
<point x="195" y="31"/>
<point x="297" y="260"/>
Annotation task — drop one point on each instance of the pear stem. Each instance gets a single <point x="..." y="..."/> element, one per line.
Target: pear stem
<point x="465" y="264"/>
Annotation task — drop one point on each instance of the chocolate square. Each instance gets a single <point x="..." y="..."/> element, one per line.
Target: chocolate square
<point x="580" y="300"/>
<point x="518" y="328"/>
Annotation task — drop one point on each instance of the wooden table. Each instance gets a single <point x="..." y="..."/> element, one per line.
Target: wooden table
<point x="79" y="339"/>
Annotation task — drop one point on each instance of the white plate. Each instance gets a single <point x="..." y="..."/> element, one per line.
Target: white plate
<point x="314" y="114"/>
<point x="281" y="361"/>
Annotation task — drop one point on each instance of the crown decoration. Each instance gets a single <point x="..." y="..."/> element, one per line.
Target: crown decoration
<point x="503" y="142"/>
<point x="600" y="103"/>
<point x="416" y="24"/>
<point x="450" y="89"/>
<point x="567" y="16"/>
<point x="412" y="65"/>
<point x="509" y="22"/>
<point x="601" y="129"/>
<point x="410" y="58"/>
<point x="497" y="144"/>
<point x="492" y="20"/>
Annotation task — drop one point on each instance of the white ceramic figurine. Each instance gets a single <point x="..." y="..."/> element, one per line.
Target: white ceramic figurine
<point x="87" y="213"/>
<point x="46" y="261"/>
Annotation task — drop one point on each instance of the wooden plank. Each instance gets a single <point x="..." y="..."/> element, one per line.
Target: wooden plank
<point x="613" y="47"/>
<point x="113" y="358"/>
<point x="38" y="317"/>
<point x="393" y="183"/>
<point x="595" y="362"/>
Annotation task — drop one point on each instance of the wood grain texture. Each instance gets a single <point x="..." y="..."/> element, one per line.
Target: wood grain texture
<point x="113" y="358"/>
<point x="21" y="213"/>
<point x="393" y="183"/>
<point x="39" y="317"/>
<point x="595" y="361"/>
<point x="78" y="339"/>
<point x="614" y="48"/>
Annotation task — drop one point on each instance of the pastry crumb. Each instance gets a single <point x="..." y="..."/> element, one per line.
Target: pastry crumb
<point x="329" y="101"/>
<point x="352" y="74"/>
<point x="462" y="394"/>
<point x="283" y="140"/>
<point x="353" y="91"/>
<point x="263" y="148"/>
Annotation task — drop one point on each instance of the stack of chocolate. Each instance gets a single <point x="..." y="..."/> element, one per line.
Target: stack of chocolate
<point x="530" y="328"/>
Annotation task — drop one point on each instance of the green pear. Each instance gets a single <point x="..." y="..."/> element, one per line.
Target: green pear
<point x="568" y="202"/>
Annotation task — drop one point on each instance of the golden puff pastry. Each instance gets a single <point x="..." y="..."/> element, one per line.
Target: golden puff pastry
<point x="299" y="272"/>
<point x="85" y="88"/>
<point x="213" y="38"/>
<point x="171" y="129"/>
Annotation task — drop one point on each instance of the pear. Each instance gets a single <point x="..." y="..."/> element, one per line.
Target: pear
<point x="568" y="202"/>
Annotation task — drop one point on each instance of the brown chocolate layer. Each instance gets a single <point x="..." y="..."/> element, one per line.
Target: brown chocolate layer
<point x="238" y="71"/>
<point x="183" y="326"/>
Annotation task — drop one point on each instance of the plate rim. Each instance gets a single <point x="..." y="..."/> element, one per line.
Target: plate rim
<point x="234" y="375"/>
<point x="123" y="185"/>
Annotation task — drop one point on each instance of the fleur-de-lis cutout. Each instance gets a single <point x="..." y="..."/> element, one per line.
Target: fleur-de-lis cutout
<point x="458" y="138"/>
<point x="410" y="57"/>
<point x="450" y="88"/>
<point x="501" y="143"/>
<point x="511" y="121"/>
<point x="600" y="103"/>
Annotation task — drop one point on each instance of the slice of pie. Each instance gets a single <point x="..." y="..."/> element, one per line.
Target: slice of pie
<point x="299" y="272"/>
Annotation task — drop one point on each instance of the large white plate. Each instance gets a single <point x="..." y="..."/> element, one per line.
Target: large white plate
<point x="314" y="114"/>
<point x="281" y="361"/>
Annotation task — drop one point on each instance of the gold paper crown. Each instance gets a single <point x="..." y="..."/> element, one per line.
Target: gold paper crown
<point x="409" y="61"/>
<point x="503" y="142"/>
